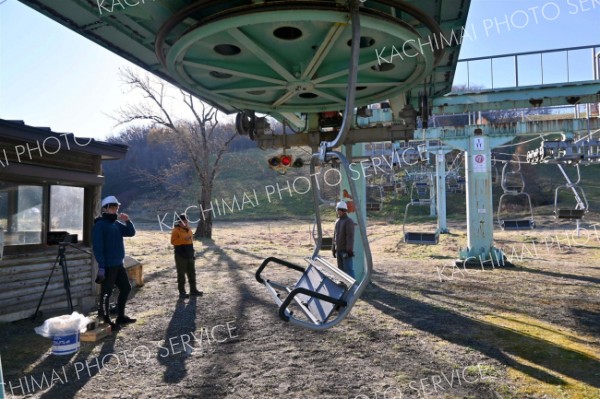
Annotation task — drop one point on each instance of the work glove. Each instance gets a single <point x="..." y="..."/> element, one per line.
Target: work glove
<point x="333" y="252"/>
<point x="350" y="254"/>
<point x="100" y="275"/>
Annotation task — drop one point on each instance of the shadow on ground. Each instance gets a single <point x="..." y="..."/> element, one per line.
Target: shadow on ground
<point x="487" y="338"/>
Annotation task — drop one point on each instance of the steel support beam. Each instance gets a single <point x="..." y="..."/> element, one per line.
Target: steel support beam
<point x="522" y="97"/>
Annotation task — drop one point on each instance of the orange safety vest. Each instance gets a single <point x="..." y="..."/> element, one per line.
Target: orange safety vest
<point x="181" y="236"/>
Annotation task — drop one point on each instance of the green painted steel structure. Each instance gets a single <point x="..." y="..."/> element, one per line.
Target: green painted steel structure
<point x="278" y="57"/>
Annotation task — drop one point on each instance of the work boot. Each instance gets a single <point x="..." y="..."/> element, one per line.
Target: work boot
<point x="125" y="320"/>
<point x="196" y="293"/>
<point x="113" y="326"/>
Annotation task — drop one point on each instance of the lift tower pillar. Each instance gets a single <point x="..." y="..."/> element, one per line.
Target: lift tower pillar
<point x="440" y="185"/>
<point x="480" y="212"/>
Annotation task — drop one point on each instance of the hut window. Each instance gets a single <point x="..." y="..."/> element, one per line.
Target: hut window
<point x="66" y="209"/>
<point x="21" y="213"/>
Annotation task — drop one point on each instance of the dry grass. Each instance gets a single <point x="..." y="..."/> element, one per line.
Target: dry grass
<point x="526" y="332"/>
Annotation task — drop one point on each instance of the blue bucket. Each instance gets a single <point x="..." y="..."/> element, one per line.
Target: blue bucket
<point x="65" y="343"/>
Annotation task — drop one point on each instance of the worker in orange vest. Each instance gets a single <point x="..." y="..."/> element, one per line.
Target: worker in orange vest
<point x="183" y="241"/>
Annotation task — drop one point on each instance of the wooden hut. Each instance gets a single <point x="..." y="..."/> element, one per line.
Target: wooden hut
<point x="50" y="185"/>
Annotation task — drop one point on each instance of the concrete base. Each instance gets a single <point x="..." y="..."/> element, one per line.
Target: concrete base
<point x="494" y="258"/>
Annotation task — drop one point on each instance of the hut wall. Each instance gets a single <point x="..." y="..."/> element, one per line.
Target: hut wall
<point x="24" y="277"/>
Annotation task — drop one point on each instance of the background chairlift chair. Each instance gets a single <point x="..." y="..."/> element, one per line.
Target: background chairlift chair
<point x="422" y="193"/>
<point x="388" y="182"/>
<point x="513" y="189"/>
<point x="581" y="206"/>
<point x="400" y="183"/>
<point x="455" y="183"/>
<point x="494" y="170"/>
<point x="328" y="202"/>
<point x="326" y="242"/>
<point x="374" y="198"/>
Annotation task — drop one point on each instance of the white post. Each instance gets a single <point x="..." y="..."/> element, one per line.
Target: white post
<point x="1" y="242"/>
<point x="440" y="169"/>
<point x="2" y="395"/>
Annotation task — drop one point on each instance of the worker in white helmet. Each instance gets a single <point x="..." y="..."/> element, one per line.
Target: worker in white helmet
<point x="343" y="239"/>
<point x="109" y="251"/>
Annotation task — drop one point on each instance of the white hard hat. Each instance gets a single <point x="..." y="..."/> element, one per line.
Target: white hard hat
<point x="341" y="205"/>
<point x="111" y="199"/>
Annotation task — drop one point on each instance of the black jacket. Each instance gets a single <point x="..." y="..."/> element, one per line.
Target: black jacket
<point x="343" y="235"/>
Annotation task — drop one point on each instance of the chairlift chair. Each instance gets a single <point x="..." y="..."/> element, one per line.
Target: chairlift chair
<point x="495" y="173"/>
<point x="326" y="243"/>
<point x="388" y="182"/>
<point x="422" y="190"/>
<point x="512" y="180"/>
<point x="581" y="207"/>
<point x="400" y="186"/>
<point x="422" y="193"/>
<point x="455" y="183"/>
<point x="374" y="198"/>
<point x="322" y="289"/>
<point x="451" y="181"/>
<point x="510" y="193"/>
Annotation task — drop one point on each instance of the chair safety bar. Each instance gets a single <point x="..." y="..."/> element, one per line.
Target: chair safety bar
<point x="279" y="261"/>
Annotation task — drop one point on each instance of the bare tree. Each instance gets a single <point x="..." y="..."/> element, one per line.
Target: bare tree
<point x="198" y="138"/>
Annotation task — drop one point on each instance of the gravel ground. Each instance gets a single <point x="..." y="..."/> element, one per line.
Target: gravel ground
<point x="423" y="329"/>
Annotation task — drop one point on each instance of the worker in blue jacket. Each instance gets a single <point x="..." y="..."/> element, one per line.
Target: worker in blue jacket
<point x="109" y="250"/>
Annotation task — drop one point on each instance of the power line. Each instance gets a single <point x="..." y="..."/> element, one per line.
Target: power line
<point x="522" y="142"/>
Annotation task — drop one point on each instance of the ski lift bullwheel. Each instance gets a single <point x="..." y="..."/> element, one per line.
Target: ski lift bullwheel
<point x="281" y="57"/>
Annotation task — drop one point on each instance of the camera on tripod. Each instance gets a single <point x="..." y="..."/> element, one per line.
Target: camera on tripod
<point x="62" y="239"/>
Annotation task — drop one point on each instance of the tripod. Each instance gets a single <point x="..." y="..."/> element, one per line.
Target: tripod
<point x="61" y="259"/>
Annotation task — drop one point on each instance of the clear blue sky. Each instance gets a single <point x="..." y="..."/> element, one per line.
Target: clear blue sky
<point x="51" y="76"/>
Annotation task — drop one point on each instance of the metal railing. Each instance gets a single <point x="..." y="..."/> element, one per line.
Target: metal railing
<point x="564" y="65"/>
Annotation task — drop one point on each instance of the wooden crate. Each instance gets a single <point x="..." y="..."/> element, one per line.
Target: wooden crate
<point x="101" y="331"/>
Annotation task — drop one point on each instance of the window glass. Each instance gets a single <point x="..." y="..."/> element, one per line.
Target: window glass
<point x="66" y="209"/>
<point x="21" y="212"/>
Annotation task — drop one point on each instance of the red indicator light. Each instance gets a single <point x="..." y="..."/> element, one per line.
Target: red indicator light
<point x="286" y="160"/>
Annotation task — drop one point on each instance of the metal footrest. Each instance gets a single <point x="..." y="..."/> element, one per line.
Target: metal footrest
<point x="520" y="224"/>
<point x="421" y="238"/>
<point x="373" y="207"/>
<point x="326" y="243"/>
<point x="570" y="213"/>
